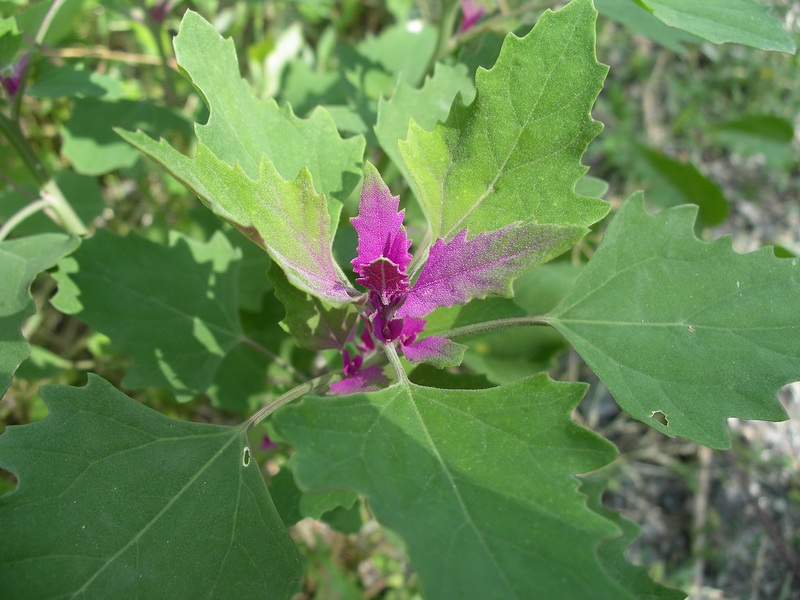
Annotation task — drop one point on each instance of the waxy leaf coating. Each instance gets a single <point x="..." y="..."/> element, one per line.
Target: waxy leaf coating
<point x="685" y="329"/>
<point x="480" y="484"/>
<point x="117" y="501"/>
<point x="514" y="153"/>
<point x="461" y="270"/>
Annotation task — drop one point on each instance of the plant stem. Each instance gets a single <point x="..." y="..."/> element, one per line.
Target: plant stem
<point x="492" y="326"/>
<point x="447" y="23"/>
<point x="47" y="21"/>
<point x="293" y="394"/>
<point x="22" y="214"/>
<point x="394" y="360"/>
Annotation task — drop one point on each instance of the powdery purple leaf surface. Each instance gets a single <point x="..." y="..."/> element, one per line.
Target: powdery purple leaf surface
<point x="365" y="380"/>
<point x="385" y="278"/>
<point x="379" y="225"/>
<point x="462" y="270"/>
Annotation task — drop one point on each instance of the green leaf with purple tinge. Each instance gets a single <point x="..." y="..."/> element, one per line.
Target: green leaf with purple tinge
<point x="479" y="484"/>
<point x="514" y="153"/>
<point x="685" y="330"/>
<point x="460" y="270"/>
<point x="118" y="501"/>
<point x="289" y="219"/>
<point x="241" y="128"/>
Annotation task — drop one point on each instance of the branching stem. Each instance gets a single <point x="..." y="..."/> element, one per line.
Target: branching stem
<point x="293" y="394"/>
<point x="492" y="326"/>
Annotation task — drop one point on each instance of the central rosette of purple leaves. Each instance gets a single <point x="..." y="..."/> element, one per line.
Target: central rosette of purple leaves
<point x="455" y="272"/>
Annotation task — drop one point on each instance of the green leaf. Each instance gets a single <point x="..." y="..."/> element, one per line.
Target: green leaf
<point x="491" y="470"/>
<point x="20" y="261"/>
<point x="641" y="21"/>
<point x="767" y="135"/>
<point x="427" y="106"/>
<point x="720" y="21"/>
<point x="172" y="308"/>
<point x="241" y="128"/>
<point x="289" y="219"/>
<point x="90" y="142"/>
<point x="673" y="183"/>
<point x="402" y="50"/>
<point x="314" y="324"/>
<point x="514" y="153"/>
<point x="591" y="186"/>
<point x="10" y="39"/>
<point x="116" y="500"/>
<point x="682" y="330"/>
<point x="73" y="82"/>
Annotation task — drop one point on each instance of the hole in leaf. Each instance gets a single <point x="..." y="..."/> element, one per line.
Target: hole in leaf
<point x="246" y="456"/>
<point x="660" y="417"/>
<point x="8" y="482"/>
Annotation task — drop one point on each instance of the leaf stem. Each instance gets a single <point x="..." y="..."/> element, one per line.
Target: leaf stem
<point x="496" y="325"/>
<point x="22" y="214"/>
<point x="394" y="360"/>
<point x="447" y="24"/>
<point x="293" y="394"/>
<point x="297" y="375"/>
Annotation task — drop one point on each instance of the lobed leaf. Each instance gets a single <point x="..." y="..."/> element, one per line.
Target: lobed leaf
<point x="20" y="261"/>
<point x="480" y="484"/>
<point x="289" y="219"/>
<point x="459" y="271"/>
<point x="173" y="309"/>
<point x="685" y="330"/>
<point x="241" y="128"/>
<point x="514" y="153"/>
<point x="116" y="500"/>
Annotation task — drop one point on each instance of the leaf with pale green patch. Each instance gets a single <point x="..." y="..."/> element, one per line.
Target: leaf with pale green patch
<point x="640" y="20"/>
<point x="289" y="219"/>
<point x="685" y="331"/>
<point x="242" y="128"/>
<point x="514" y="153"/>
<point x="115" y="499"/>
<point x="314" y="324"/>
<point x="172" y="308"/>
<point x="20" y="261"/>
<point x="427" y="106"/>
<point x="480" y="484"/>
<point x="721" y="21"/>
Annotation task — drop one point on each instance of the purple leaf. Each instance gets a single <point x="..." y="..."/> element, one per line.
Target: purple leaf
<point x="385" y="278"/>
<point x="12" y="78"/>
<point x="267" y="443"/>
<point x="365" y="380"/>
<point x="460" y="270"/>
<point x="379" y="225"/>
<point x="436" y="351"/>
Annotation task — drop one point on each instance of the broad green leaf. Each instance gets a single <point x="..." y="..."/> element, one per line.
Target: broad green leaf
<point x="641" y="21"/>
<point x="172" y="308"/>
<point x="404" y="50"/>
<point x="314" y="324"/>
<point x="118" y="501"/>
<point x="289" y="219"/>
<point x="90" y="142"/>
<point x="591" y="186"/>
<point x="514" y="153"/>
<point x="720" y="21"/>
<point x="427" y="106"/>
<point x="73" y="82"/>
<point x="682" y="330"/>
<point x="672" y="182"/>
<point x="20" y="261"/>
<point x="61" y="25"/>
<point x="293" y="505"/>
<point x="241" y="128"/>
<point x="480" y="484"/>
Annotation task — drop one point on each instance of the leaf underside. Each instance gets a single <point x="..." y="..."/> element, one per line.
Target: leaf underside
<point x="688" y="329"/>
<point x="116" y="500"/>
